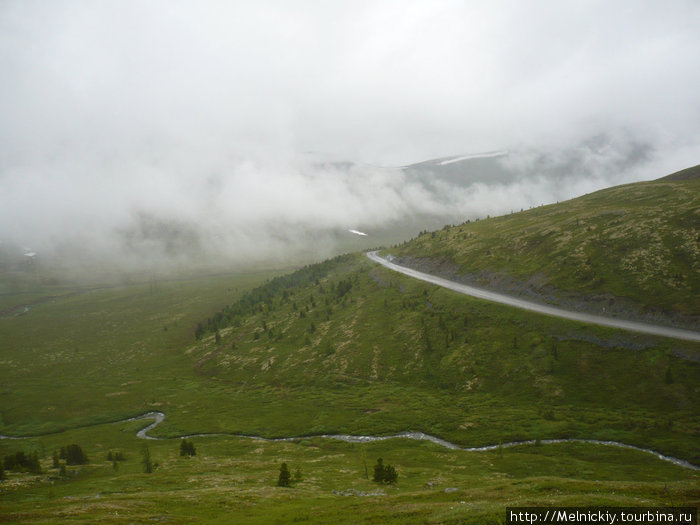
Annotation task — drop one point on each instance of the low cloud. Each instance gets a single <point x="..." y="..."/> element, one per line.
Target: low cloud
<point x="175" y="133"/>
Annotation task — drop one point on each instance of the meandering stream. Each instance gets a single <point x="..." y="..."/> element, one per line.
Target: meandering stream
<point x="159" y="417"/>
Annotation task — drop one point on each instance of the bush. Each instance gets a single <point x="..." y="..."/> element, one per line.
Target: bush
<point x="187" y="448"/>
<point x="384" y="473"/>
<point x="19" y="461"/>
<point x="285" y="479"/>
<point x="75" y="455"/>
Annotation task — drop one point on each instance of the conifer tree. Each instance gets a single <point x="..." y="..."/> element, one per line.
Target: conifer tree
<point x="384" y="473"/>
<point x="146" y="460"/>
<point x="75" y="455"/>
<point x="390" y="474"/>
<point x="33" y="465"/>
<point x="187" y="448"/>
<point x="379" y="471"/>
<point x="284" y="479"/>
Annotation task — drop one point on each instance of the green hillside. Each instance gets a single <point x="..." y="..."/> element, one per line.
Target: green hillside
<point x="357" y="348"/>
<point x="343" y="347"/>
<point x="348" y="347"/>
<point x="632" y="250"/>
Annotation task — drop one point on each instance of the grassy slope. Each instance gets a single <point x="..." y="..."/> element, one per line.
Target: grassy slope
<point x="395" y="354"/>
<point x="637" y="243"/>
<point x="366" y="367"/>
<point x="389" y="355"/>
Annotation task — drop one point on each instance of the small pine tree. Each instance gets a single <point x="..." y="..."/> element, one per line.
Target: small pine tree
<point x="284" y="479"/>
<point x="217" y="337"/>
<point x="384" y="473"/>
<point x="33" y="465"/>
<point x="146" y="460"/>
<point x="390" y="474"/>
<point x="2" y="471"/>
<point x="62" y="471"/>
<point x="110" y="457"/>
<point x="56" y="464"/>
<point x="187" y="448"/>
<point x="379" y="471"/>
<point x="75" y="455"/>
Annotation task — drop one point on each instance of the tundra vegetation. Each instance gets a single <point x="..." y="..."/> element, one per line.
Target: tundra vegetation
<point x="348" y="347"/>
<point x="632" y="248"/>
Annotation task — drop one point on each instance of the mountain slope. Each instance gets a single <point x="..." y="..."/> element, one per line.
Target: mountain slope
<point x="356" y="348"/>
<point x="364" y="350"/>
<point x="630" y="250"/>
<point x="341" y="347"/>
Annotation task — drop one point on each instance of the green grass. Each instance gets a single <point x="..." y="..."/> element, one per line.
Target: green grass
<point x="233" y="480"/>
<point x="395" y="354"/>
<point x="99" y="355"/>
<point x="348" y="347"/>
<point x="635" y="244"/>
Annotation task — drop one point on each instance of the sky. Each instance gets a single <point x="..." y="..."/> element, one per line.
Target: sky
<point x="212" y="116"/>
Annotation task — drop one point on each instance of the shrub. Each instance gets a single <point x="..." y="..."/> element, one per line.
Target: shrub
<point x="285" y="479"/>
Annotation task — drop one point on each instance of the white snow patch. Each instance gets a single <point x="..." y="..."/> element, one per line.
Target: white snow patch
<point x="473" y="156"/>
<point x="358" y="232"/>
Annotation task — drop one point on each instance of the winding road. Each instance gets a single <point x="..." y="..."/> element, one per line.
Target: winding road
<point x="645" y="328"/>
